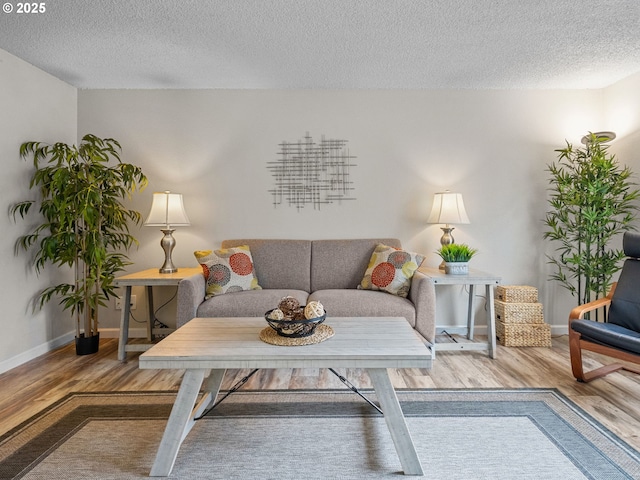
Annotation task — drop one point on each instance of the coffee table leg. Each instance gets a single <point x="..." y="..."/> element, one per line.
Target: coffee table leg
<point x="211" y="389"/>
<point x="395" y="421"/>
<point x="178" y="424"/>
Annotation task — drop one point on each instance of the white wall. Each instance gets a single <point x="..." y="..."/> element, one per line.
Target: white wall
<point x="622" y="115"/>
<point x="33" y="106"/>
<point x="492" y="146"/>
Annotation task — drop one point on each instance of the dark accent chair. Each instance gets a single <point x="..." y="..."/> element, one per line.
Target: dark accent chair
<point x="619" y="336"/>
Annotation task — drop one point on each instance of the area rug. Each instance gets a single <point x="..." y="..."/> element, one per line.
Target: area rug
<point x="459" y="434"/>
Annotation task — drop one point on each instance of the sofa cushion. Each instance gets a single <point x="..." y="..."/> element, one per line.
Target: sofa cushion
<point x="390" y="270"/>
<point x="280" y="264"/>
<point x="252" y="303"/>
<point x="363" y="303"/>
<point x="342" y="263"/>
<point x="227" y="270"/>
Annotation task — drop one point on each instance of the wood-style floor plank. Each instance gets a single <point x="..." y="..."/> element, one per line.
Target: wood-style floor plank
<point x="613" y="400"/>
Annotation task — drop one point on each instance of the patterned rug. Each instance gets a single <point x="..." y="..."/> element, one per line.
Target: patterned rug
<point x="459" y="434"/>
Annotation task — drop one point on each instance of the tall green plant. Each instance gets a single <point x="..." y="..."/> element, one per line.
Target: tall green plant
<point x="84" y="224"/>
<point x="592" y="200"/>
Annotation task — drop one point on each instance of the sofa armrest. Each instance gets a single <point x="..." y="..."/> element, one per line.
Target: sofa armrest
<point x="423" y="296"/>
<point x="191" y="291"/>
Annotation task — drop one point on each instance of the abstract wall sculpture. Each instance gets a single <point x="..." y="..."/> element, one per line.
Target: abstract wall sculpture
<point x="310" y="174"/>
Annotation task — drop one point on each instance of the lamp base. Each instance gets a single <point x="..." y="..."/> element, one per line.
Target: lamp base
<point x="167" y="243"/>
<point x="446" y="239"/>
<point x="168" y="270"/>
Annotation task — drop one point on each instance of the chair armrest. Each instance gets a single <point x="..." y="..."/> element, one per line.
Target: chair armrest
<point x="191" y="291"/>
<point x="579" y="311"/>
<point x="423" y="296"/>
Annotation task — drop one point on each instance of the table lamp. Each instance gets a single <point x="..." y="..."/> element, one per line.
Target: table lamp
<point x="447" y="208"/>
<point x="167" y="211"/>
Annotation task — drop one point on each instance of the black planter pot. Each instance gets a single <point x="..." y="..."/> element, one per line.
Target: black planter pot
<point x="87" y="345"/>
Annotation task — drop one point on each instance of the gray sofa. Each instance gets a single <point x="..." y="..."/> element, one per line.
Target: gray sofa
<point x="328" y="271"/>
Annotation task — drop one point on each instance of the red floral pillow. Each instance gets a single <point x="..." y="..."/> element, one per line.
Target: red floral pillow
<point x="227" y="270"/>
<point x="391" y="270"/>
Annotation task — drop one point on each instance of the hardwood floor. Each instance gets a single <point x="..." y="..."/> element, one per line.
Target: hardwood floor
<point x="613" y="400"/>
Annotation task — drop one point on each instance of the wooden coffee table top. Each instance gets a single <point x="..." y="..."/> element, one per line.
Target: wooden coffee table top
<point x="221" y="343"/>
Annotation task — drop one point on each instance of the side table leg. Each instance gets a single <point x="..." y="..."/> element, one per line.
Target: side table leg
<point x="471" y="312"/>
<point x="152" y="318"/>
<point x="179" y="423"/>
<point x="491" y="321"/>
<point x="124" y="325"/>
<point x="395" y="421"/>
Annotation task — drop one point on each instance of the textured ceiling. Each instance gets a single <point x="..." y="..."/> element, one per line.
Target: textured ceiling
<point x="332" y="44"/>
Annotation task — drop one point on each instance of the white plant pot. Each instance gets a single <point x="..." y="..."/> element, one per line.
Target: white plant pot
<point x="456" y="268"/>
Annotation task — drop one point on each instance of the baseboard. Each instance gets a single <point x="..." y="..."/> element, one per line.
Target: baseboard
<point x="35" y="352"/>
<point x="115" y="333"/>
<point x="556" y="330"/>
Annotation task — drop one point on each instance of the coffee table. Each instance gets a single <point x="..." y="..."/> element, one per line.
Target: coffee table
<point x="206" y="347"/>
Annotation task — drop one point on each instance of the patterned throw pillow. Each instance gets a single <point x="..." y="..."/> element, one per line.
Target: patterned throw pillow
<point x="390" y="270"/>
<point x="227" y="270"/>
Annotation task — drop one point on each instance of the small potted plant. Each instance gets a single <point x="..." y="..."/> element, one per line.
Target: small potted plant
<point x="456" y="258"/>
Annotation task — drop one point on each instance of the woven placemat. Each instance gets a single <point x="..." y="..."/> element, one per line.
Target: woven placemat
<point x="323" y="332"/>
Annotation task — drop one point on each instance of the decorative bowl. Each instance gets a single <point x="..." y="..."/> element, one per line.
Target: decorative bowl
<point x="294" y="328"/>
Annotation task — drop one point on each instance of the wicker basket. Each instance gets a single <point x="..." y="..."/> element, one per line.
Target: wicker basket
<point x="516" y="294"/>
<point x="519" y="312"/>
<point x="523" y="335"/>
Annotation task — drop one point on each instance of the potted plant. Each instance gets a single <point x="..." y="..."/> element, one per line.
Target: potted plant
<point x="592" y="200"/>
<point x="456" y="258"/>
<point x="84" y="224"/>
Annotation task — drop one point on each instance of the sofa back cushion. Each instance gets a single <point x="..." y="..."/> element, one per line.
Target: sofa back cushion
<point x="342" y="263"/>
<point x="282" y="264"/>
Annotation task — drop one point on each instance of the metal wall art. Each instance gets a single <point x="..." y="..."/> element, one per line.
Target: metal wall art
<point x="312" y="174"/>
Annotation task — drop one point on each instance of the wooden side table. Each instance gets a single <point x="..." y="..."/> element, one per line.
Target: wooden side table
<point x="475" y="277"/>
<point x="146" y="278"/>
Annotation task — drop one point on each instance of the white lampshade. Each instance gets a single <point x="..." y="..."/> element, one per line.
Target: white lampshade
<point x="167" y="210"/>
<point x="448" y="208"/>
